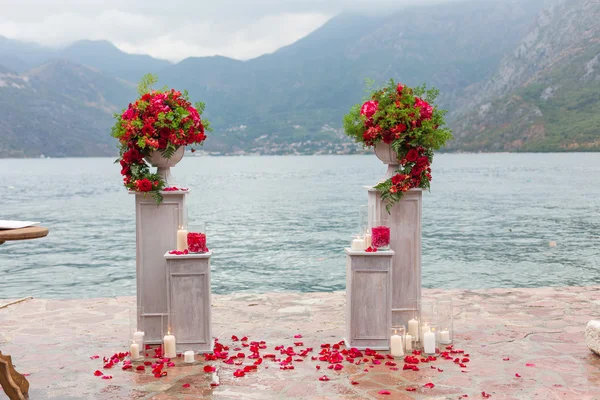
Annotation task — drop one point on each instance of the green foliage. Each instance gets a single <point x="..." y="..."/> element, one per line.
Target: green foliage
<point x="146" y="83"/>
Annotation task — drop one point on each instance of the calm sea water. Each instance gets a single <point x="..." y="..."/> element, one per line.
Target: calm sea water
<point x="280" y="223"/>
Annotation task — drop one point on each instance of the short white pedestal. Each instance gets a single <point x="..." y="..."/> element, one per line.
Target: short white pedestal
<point x="189" y="293"/>
<point x="368" y="299"/>
<point x="156" y="233"/>
<point x="405" y="241"/>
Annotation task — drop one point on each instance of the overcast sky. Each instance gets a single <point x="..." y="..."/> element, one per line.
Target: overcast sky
<point x="176" y="29"/>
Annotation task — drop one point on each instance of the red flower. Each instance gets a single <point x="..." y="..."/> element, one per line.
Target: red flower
<point x="369" y="108"/>
<point x="412" y="155"/>
<point x="426" y="111"/>
<point x="400" y="88"/>
<point x="398" y="179"/>
<point x="422" y="162"/>
<point x="132" y="156"/>
<point x="143" y="185"/>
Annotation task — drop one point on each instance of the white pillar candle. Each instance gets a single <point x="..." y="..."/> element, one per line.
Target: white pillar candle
<point x="134" y="351"/>
<point x="408" y="342"/>
<point x="169" y="346"/>
<point x="445" y="337"/>
<point x="138" y="337"/>
<point x="413" y="328"/>
<point x="396" y="347"/>
<point x="368" y="239"/>
<point x="358" y="245"/>
<point x="188" y="357"/>
<point x="429" y="342"/>
<point x="182" y="239"/>
<point x="424" y="328"/>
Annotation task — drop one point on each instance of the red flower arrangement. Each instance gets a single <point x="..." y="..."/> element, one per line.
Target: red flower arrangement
<point x="407" y="119"/>
<point x="160" y="120"/>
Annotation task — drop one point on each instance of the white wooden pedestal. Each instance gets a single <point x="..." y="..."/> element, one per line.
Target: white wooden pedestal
<point x="368" y="299"/>
<point x="156" y="233"/>
<point x="405" y="241"/>
<point x="189" y="293"/>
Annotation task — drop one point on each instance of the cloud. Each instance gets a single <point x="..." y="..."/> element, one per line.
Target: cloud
<point x="176" y="29"/>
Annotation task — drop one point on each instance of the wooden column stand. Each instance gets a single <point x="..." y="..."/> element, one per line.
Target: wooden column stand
<point x="189" y="293"/>
<point x="405" y="241"/>
<point x="156" y="233"/>
<point x="368" y="299"/>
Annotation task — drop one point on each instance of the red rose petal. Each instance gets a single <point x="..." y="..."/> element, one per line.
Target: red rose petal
<point x="486" y="395"/>
<point x="517" y="375"/>
<point x="140" y="368"/>
<point x="94" y="357"/>
<point x="234" y="338"/>
<point x="354" y="383"/>
<point x="209" y="368"/>
<point x="147" y="363"/>
<point x="127" y="366"/>
<point x="239" y="373"/>
<point x="297" y="336"/>
<point x="530" y="365"/>
<point x="98" y="373"/>
<point x="186" y="385"/>
<point x="384" y="392"/>
<point x="214" y="384"/>
<point x="338" y="367"/>
<point x="506" y="359"/>
<point x="107" y="377"/>
<point x="411" y="389"/>
<point x="323" y="378"/>
<point x="429" y="385"/>
<point x="440" y="370"/>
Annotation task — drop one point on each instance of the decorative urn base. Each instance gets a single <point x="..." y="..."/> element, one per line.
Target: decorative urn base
<point x="386" y="154"/>
<point x="163" y="165"/>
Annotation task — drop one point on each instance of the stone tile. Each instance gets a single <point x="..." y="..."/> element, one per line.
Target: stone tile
<point x="53" y="340"/>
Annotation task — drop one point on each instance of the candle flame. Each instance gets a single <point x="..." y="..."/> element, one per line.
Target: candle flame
<point x="169" y="331"/>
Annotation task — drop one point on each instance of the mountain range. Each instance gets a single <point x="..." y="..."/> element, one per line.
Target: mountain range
<point x="516" y="75"/>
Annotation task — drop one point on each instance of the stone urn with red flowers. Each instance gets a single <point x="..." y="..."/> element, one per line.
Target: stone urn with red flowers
<point x="404" y="127"/>
<point x="155" y="130"/>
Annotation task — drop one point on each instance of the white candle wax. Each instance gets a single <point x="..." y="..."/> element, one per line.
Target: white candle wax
<point x="358" y="245"/>
<point x="138" y="337"/>
<point x="396" y="347"/>
<point x="169" y="346"/>
<point x="429" y="342"/>
<point x="413" y="328"/>
<point x="188" y="357"/>
<point x="408" y="342"/>
<point x="444" y="337"/>
<point x="182" y="239"/>
<point x="424" y="328"/>
<point x="134" y="351"/>
<point x="368" y="239"/>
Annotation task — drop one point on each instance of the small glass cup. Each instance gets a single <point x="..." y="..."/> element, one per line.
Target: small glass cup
<point x="380" y="234"/>
<point x="397" y="341"/>
<point x="357" y="243"/>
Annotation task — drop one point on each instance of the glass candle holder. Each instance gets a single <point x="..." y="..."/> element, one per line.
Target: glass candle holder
<point x="136" y="337"/>
<point x="427" y="316"/>
<point x="196" y="238"/>
<point x="358" y="243"/>
<point x="189" y="357"/>
<point x="429" y="339"/>
<point x="380" y="234"/>
<point x="397" y="341"/>
<point x="445" y="322"/>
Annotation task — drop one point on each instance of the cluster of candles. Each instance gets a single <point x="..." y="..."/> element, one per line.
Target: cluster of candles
<point x="169" y="346"/>
<point x="377" y="237"/>
<point x="418" y="336"/>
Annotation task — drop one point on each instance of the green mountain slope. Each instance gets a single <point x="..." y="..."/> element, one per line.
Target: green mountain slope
<point x="59" y="109"/>
<point x="546" y="94"/>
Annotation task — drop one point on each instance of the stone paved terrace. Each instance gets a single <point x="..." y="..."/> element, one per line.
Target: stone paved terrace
<point x="502" y="330"/>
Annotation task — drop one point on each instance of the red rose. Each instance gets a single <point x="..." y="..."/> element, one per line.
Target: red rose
<point x="422" y="162"/>
<point x="132" y="156"/>
<point x="148" y="130"/>
<point x="388" y="137"/>
<point x="400" y="88"/>
<point x="143" y="185"/>
<point x="416" y="171"/>
<point x="125" y="171"/>
<point x="369" y="108"/>
<point x="398" y="179"/>
<point x="400" y="128"/>
<point x="425" y="110"/>
<point x="412" y="155"/>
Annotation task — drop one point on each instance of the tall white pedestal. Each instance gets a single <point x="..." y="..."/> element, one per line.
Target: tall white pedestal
<point x="156" y="233"/>
<point x="405" y="241"/>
